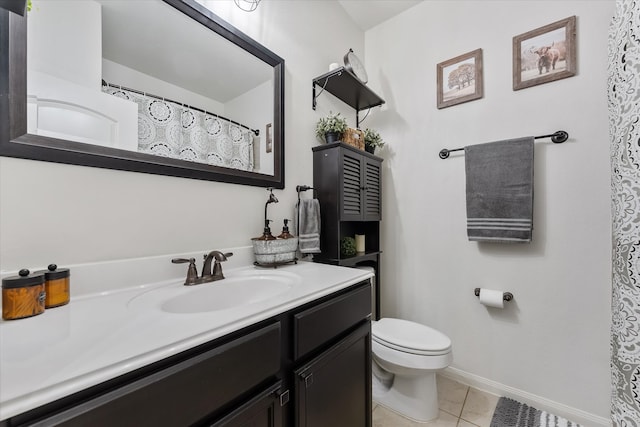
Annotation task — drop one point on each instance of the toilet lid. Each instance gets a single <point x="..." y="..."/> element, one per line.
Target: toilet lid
<point x="410" y="336"/>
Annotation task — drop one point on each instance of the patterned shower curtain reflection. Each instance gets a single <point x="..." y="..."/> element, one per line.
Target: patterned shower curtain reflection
<point x="172" y="130"/>
<point x="624" y="130"/>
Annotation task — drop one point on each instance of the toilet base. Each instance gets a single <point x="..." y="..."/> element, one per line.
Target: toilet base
<point x="415" y="397"/>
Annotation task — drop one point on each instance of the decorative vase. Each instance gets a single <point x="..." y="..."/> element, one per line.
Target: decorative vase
<point x="369" y="149"/>
<point x="331" y="137"/>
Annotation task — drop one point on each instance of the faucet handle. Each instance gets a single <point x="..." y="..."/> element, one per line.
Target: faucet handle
<point x="217" y="267"/>
<point x="219" y="256"/>
<point x="192" y="272"/>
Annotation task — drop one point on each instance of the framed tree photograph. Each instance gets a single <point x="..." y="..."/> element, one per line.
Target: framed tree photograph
<point x="545" y="54"/>
<point x="460" y="79"/>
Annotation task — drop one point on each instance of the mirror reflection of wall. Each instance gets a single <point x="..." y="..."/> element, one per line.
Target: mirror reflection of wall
<point x="186" y="80"/>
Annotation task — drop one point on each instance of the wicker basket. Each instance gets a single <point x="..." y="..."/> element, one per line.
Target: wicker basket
<point x="354" y="137"/>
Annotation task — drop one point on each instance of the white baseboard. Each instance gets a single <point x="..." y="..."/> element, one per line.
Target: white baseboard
<point x="572" y="414"/>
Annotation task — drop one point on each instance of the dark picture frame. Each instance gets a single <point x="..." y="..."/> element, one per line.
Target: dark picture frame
<point x="545" y="54"/>
<point x="460" y="79"/>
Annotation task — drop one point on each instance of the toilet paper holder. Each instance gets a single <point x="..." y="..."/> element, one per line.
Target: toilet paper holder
<point x="506" y="296"/>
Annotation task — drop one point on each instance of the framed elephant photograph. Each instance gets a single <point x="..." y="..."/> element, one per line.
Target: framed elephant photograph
<point x="545" y="54"/>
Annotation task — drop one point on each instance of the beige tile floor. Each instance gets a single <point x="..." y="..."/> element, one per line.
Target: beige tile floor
<point x="460" y="406"/>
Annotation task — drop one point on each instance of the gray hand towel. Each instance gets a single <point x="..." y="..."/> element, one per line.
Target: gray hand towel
<point x="309" y="227"/>
<point x="500" y="190"/>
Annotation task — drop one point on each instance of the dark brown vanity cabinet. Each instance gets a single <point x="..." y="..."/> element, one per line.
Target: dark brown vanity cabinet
<point x="188" y="392"/>
<point x="333" y="387"/>
<point x="248" y="378"/>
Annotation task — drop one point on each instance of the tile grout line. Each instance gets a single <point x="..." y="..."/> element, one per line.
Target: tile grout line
<point x="464" y="402"/>
<point x="462" y="407"/>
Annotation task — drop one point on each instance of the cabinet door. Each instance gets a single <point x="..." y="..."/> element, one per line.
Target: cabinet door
<point x="361" y="186"/>
<point x="372" y="180"/>
<point x="351" y="200"/>
<point x="264" y="410"/>
<point x="334" y="389"/>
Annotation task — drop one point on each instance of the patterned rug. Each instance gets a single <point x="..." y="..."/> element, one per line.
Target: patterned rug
<point x="511" y="413"/>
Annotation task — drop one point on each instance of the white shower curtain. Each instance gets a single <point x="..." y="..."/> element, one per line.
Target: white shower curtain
<point x="624" y="130"/>
<point x="172" y="130"/>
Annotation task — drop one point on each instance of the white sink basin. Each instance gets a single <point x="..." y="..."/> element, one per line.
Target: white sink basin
<point x="239" y="288"/>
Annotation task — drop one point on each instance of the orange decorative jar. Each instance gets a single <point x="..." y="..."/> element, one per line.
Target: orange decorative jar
<point x="23" y="295"/>
<point x="56" y="285"/>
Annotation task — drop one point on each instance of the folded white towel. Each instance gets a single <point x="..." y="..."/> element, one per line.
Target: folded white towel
<point x="309" y="229"/>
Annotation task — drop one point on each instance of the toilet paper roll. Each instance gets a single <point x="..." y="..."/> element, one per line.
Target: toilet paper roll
<point x="491" y="298"/>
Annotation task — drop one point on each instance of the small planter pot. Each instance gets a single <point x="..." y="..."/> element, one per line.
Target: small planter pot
<point x="370" y="149"/>
<point x="331" y="137"/>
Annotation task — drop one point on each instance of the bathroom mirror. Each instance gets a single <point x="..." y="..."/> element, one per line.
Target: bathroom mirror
<point x="155" y="86"/>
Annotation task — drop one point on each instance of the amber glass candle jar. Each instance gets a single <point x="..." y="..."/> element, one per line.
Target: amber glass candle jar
<point x="23" y="295"/>
<point x="56" y="284"/>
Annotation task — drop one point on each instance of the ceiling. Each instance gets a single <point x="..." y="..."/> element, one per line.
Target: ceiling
<point x="158" y="40"/>
<point x="122" y="23"/>
<point x="369" y="13"/>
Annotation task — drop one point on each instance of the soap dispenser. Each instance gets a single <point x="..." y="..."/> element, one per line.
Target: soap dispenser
<point x="266" y="233"/>
<point x="285" y="231"/>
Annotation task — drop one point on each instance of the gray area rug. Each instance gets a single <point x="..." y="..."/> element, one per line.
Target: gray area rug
<point x="511" y="413"/>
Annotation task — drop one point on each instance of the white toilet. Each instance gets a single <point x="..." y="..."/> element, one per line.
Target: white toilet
<point x="406" y="356"/>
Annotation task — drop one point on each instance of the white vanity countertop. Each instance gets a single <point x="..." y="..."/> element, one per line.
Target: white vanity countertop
<point x="100" y="336"/>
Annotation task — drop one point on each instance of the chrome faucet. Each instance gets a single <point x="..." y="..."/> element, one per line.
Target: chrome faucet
<point x="207" y="274"/>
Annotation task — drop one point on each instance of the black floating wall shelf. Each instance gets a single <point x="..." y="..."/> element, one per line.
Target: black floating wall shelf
<point x="346" y="87"/>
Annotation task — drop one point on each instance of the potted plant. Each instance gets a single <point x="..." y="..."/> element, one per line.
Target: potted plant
<point x="347" y="246"/>
<point x="372" y="139"/>
<point x="331" y="128"/>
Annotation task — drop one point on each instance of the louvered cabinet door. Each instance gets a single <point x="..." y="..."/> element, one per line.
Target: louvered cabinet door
<point x="372" y="191"/>
<point x="352" y="197"/>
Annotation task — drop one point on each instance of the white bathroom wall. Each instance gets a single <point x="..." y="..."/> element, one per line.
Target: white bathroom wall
<point x="71" y="214"/>
<point x="64" y="55"/>
<point x="61" y="33"/>
<point x="552" y="342"/>
<point x="119" y="74"/>
<point x="256" y="109"/>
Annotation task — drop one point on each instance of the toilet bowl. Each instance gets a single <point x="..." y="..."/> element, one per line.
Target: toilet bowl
<point x="406" y="357"/>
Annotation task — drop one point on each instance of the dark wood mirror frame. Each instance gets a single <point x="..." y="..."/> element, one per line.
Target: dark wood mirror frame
<point x="15" y="142"/>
